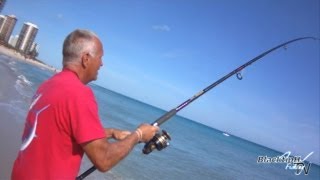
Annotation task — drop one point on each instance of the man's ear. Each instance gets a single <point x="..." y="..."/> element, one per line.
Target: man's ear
<point x="85" y="60"/>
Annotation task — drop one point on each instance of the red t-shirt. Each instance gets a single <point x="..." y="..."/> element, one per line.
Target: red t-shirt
<point x="63" y="115"/>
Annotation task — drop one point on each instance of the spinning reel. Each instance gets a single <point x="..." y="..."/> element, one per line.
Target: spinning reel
<point x="159" y="142"/>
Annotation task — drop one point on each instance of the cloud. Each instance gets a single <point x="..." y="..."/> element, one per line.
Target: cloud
<point x="164" y="28"/>
<point x="174" y="54"/>
<point x="59" y="16"/>
<point x="171" y="55"/>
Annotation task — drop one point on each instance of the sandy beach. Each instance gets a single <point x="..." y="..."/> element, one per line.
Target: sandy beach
<point x="16" y="55"/>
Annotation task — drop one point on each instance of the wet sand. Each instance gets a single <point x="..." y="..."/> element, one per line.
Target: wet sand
<point x="10" y="135"/>
<point x="10" y="128"/>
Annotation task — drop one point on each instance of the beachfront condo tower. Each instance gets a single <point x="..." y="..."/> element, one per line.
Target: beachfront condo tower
<point x="6" y="27"/>
<point x="25" y="42"/>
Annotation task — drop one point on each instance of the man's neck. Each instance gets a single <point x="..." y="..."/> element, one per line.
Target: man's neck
<point x="79" y="72"/>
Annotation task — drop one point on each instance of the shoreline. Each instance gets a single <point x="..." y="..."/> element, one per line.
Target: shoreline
<point x="11" y="122"/>
<point x="12" y="53"/>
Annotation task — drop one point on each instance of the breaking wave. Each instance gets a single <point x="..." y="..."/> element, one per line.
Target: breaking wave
<point x="23" y="86"/>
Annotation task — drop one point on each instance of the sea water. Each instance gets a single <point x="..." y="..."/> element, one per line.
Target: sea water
<point x="196" y="151"/>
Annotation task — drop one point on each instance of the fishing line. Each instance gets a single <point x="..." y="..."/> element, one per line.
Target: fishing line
<point x="160" y="141"/>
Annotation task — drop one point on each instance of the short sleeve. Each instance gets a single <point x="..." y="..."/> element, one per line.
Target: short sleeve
<point x="85" y="122"/>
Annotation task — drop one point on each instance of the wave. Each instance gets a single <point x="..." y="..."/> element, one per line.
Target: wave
<point x="24" y="80"/>
<point x="23" y="86"/>
<point x="12" y="63"/>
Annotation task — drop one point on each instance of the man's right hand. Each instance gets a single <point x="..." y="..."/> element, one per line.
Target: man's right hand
<point x="147" y="132"/>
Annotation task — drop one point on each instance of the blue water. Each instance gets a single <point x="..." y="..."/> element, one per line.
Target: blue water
<point x="195" y="152"/>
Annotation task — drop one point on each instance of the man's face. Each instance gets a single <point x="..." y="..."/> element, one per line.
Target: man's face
<point x="95" y="62"/>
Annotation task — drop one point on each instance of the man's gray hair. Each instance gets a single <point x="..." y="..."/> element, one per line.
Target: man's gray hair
<point x="76" y="43"/>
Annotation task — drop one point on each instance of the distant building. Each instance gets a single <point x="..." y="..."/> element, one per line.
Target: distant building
<point x="13" y="40"/>
<point x="26" y="38"/>
<point x="2" y="3"/>
<point x="34" y="50"/>
<point x="34" y="47"/>
<point x="7" y="25"/>
<point x="2" y="19"/>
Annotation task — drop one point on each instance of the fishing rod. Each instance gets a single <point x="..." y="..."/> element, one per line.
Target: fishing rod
<point x="161" y="141"/>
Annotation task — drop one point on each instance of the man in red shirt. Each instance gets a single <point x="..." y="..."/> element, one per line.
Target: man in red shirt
<point x="63" y="121"/>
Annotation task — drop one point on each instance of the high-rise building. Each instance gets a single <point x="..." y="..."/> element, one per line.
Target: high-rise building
<point x="26" y="37"/>
<point x="13" y="40"/>
<point x="7" y="27"/>
<point x="2" y="3"/>
<point x="2" y="19"/>
<point x="34" y="50"/>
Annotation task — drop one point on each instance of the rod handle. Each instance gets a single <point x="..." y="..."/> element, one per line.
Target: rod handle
<point x="164" y="117"/>
<point x="85" y="174"/>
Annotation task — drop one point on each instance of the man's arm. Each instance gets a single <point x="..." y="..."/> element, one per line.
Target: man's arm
<point x="104" y="155"/>
<point x="116" y="134"/>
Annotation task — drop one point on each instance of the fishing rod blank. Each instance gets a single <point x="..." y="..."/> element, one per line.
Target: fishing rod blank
<point x="237" y="71"/>
<point x="160" y="141"/>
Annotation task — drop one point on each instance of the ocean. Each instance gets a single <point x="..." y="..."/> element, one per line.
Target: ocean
<point x="196" y="151"/>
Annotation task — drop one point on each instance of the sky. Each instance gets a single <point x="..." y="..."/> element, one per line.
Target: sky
<point x="163" y="52"/>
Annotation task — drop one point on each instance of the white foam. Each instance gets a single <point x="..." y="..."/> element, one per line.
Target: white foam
<point x="24" y="81"/>
<point x="12" y="63"/>
<point x="13" y="69"/>
<point x="23" y="86"/>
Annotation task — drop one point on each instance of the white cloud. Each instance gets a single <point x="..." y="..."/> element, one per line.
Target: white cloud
<point x="165" y="28"/>
<point x="59" y="16"/>
<point x="170" y="55"/>
<point x="173" y="54"/>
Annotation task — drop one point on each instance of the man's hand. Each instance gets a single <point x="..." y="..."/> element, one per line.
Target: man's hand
<point x="116" y="134"/>
<point x="146" y="132"/>
<point x="104" y="154"/>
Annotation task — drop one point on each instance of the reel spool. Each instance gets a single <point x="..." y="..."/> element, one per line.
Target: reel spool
<point x="159" y="142"/>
